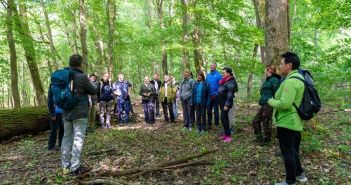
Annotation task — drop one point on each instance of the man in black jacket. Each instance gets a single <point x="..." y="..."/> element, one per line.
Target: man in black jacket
<point x="76" y="119"/>
<point x="157" y="84"/>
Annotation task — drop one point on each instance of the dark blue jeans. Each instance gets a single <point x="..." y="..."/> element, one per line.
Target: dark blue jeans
<point x="56" y="126"/>
<point x="289" y="142"/>
<point x="200" y="116"/>
<point x="213" y="106"/>
<point x="149" y="111"/>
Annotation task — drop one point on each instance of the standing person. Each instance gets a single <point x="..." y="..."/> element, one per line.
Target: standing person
<point x="288" y="122"/>
<point x="263" y="118"/>
<point x="157" y="84"/>
<point x="148" y="93"/>
<point x="226" y="93"/>
<point x="121" y="90"/>
<point x="213" y="79"/>
<point x="201" y="100"/>
<point x="175" y="102"/>
<point x="186" y="92"/>
<point x="56" y="123"/>
<point x="76" y="119"/>
<point x="105" y="97"/>
<point x="93" y="100"/>
<point x="167" y="96"/>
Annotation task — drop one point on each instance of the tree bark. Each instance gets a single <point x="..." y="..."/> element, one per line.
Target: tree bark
<point x="259" y="25"/>
<point x="83" y="34"/>
<point x="185" y="36"/>
<point x="277" y="28"/>
<point x="23" y="121"/>
<point x="111" y="17"/>
<point x="29" y="50"/>
<point x="13" y="56"/>
<point x="198" y="59"/>
<point x="51" y="41"/>
<point x="159" y="6"/>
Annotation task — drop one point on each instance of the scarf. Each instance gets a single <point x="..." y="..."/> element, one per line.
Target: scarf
<point x="225" y="80"/>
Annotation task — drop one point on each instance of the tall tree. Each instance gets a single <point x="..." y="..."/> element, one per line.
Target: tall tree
<point x="83" y="33"/>
<point x="185" y="36"/>
<point x="197" y="36"/>
<point x="51" y="41"/>
<point x="13" y="56"/>
<point x="159" y="6"/>
<point x="27" y="43"/>
<point x="111" y="18"/>
<point x="277" y="30"/>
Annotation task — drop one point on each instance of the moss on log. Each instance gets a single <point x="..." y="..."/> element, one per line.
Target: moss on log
<point x="15" y="122"/>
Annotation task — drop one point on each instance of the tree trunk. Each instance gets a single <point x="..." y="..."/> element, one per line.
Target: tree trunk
<point x="83" y="34"/>
<point x="51" y="42"/>
<point x="277" y="27"/>
<point x="13" y="56"/>
<point x="198" y="59"/>
<point x="23" y="121"/>
<point x="29" y="50"/>
<point x="111" y="17"/>
<point x="159" y="5"/>
<point x="259" y="25"/>
<point x="68" y="37"/>
<point x="99" y="44"/>
<point x="185" y="37"/>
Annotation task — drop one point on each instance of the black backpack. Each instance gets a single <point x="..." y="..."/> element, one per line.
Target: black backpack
<point x="310" y="104"/>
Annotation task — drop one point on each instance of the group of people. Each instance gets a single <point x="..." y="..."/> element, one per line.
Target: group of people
<point x="200" y="99"/>
<point x="110" y="97"/>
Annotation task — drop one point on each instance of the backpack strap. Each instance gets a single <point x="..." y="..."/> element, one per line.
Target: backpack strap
<point x="304" y="82"/>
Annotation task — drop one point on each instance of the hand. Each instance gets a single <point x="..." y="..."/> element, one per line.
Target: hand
<point x="225" y="108"/>
<point x="53" y="118"/>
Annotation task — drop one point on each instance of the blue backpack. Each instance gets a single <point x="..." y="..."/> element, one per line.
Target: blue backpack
<point x="63" y="90"/>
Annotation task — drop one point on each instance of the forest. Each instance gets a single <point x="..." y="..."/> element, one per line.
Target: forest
<point x="138" y="38"/>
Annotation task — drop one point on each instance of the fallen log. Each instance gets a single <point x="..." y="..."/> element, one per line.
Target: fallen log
<point x="179" y="163"/>
<point x="25" y="121"/>
<point x="102" y="180"/>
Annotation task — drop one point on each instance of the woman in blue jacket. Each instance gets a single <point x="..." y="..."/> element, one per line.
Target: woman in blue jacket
<point x="200" y="100"/>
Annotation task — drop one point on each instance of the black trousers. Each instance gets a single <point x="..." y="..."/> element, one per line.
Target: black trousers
<point x="200" y="116"/>
<point x="56" y="126"/>
<point x="289" y="142"/>
<point x="225" y="121"/>
<point x="157" y="106"/>
<point x="168" y="110"/>
<point x="213" y="106"/>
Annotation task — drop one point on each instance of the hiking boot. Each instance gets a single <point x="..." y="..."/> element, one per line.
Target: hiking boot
<point x="79" y="171"/>
<point x="302" y="178"/>
<point x="284" y="183"/>
<point x="227" y="139"/>
<point x="265" y="142"/>
<point x="65" y="171"/>
<point x="258" y="139"/>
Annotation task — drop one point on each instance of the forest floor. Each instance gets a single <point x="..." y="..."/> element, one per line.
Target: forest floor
<point x="325" y="153"/>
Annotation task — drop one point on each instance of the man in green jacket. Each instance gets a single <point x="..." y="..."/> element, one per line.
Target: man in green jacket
<point x="289" y="124"/>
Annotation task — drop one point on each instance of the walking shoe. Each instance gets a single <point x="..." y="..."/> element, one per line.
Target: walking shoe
<point x="65" y="171"/>
<point x="79" y="171"/>
<point x="302" y="178"/>
<point x="284" y="183"/>
<point x="227" y="139"/>
<point x="190" y="129"/>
